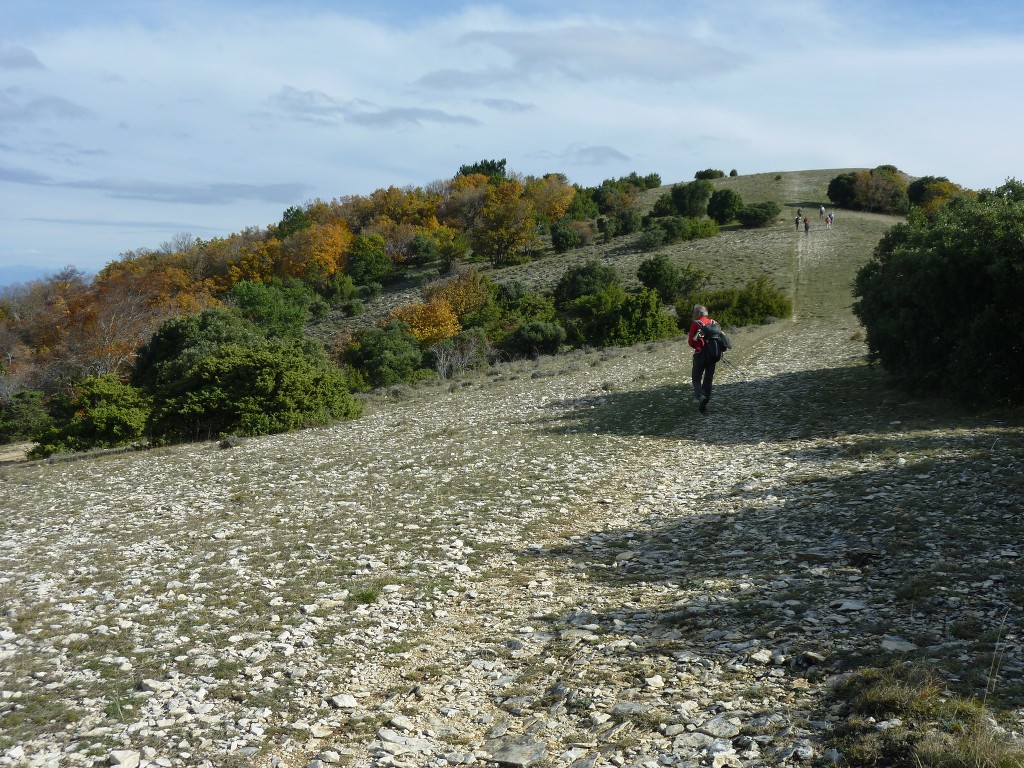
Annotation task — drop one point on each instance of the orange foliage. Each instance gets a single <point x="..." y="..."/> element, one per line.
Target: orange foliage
<point x="315" y="252"/>
<point x="429" y="323"/>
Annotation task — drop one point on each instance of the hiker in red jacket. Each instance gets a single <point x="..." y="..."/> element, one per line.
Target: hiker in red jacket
<point x="703" y="368"/>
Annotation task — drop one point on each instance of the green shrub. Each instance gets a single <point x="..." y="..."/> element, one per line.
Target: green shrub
<point x="386" y="356"/>
<point x="692" y="199"/>
<point x="24" y="416"/>
<point x="611" y="317"/>
<point x="757" y="302"/>
<point x="250" y="390"/>
<point x="940" y="299"/>
<point x="98" y="412"/>
<point x="661" y="275"/>
<point x="535" y="337"/>
<point x="758" y="214"/>
<point x="710" y="173"/>
<point x="280" y="308"/>
<point x="565" y="237"/>
<point x="582" y="280"/>
<point x="724" y="205"/>
<point x="368" y="261"/>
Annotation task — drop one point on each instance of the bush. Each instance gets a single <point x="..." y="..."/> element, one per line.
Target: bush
<point x="692" y="199"/>
<point x="967" y="259"/>
<point x="535" y="337"/>
<point x="280" y="308"/>
<point x="710" y="173"/>
<point x="215" y="373"/>
<point x="368" y="261"/>
<point x="250" y="390"/>
<point x="565" y="237"/>
<point x="24" y="416"/>
<point x="724" y="205"/>
<point x="98" y="412"/>
<point x="583" y="280"/>
<point x="755" y="303"/>
<point x="385" y="356"/>
<point x="661" y="275"/>
<point x="611" y="317"/>
<point x="758" y="214"/>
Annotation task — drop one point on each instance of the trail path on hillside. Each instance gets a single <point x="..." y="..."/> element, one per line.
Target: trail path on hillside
<point x="550" y="567"/>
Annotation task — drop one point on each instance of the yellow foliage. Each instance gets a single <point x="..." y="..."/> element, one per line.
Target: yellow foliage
<point x="317" y="251"/>
<point x="464" y="293"/>
<point x="429" y="323"/>
<point x="551" y="195"/>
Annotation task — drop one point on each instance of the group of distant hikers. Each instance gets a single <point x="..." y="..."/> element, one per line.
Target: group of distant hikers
<point x="828" y="218"/>
<point x="707" y="339"/>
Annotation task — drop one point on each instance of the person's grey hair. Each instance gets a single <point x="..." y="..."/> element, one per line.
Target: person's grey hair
<point x="700" y="310"/>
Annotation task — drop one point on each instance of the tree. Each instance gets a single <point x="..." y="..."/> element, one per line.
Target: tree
<point x="710" y="174"/>
<point x="293" y="220"/>
<point x="492" y="169"/>
<point x="692" y="199"/>
<point x="968" y="259"/>
<point x="506" y="224"/>
<point x="368" y="261"/>
<point x="429" y="323"/>
<point x="551" y="196"/>
<point x="724" y="205"/>
<point x="841" y="190"/>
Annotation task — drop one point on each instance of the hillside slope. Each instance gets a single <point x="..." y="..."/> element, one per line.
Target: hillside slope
<point x="556" y="563"/>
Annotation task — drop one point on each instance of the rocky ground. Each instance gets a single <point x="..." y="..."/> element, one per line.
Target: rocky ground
<point x="556" y="564"/>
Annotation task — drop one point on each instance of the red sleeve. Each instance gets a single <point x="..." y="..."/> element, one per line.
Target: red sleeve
<point x="692" y="339"/>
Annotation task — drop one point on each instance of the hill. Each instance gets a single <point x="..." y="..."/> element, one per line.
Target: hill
<point x="554" y="562"/>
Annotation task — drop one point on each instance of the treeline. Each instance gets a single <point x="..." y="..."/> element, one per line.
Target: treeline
<point x="886" y="189"/>
<point x="199" y="339"/>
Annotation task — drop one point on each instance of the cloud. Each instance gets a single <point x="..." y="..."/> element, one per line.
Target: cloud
<point x="588" y="53"/>
<point x="196" y="194"/>
<point x="18" y="57"/>
<point x="507" y="105"/>
<point x="318" y="107"/>
<point x="23" y="176"/>
<point x="161" y="192"/>
<point x="586" y="155"/>
<point x="15" y="108"/>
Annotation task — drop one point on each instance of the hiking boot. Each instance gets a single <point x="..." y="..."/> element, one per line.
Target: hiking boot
<point x="704" y="405"/>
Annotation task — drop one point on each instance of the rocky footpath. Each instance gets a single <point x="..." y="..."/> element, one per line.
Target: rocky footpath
<point x="557" y="564"/>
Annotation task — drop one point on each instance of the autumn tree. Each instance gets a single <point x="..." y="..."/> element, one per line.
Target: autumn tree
<point x="551" y="196"/>
<point x="429" y="323"/>
<point x="506" y="224"/>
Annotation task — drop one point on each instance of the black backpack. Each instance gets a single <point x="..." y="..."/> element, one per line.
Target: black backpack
<point x="715" y="341"/>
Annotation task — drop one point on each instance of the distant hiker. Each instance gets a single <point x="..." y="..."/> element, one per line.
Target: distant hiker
<point x="807" y="226"/>
<point x="797" y="223"/>
<point x="821" y="212"/>
<point x="709" y="344"/>
<point x="828" y="221"/>
<point x="799" y="213"/>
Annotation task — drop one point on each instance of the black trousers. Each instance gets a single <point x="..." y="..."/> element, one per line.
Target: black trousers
<point x="703" y="375"/>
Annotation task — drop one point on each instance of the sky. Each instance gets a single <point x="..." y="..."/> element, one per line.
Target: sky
<point x="125" y="124"/>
